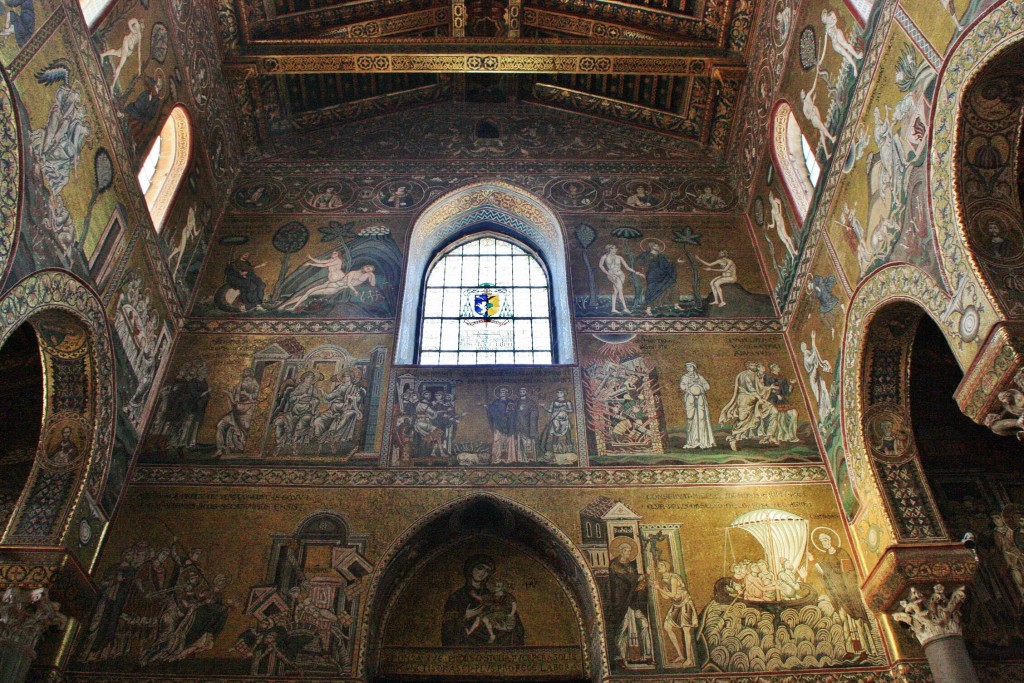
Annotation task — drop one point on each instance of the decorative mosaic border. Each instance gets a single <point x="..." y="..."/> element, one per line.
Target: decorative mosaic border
<point x="178" y="475"/>
<point x="10" y="173"/>
<point x="656" y="325"/>
<point x="764" y="75"/>
<point x="60" y="290"/>
<point x="919" y="38"/>
<point x="903" y="672"/>
<point x="291" y="326"/>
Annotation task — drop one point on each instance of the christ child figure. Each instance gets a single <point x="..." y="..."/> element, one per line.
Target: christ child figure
<point x="499" y="612"/>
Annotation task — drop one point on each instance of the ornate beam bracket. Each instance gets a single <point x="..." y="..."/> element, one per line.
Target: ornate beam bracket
<point x="992" y="391"/>
<point x="933" y="579"/>
<point x="54" y="569"/>
<point x="903" y="567"/>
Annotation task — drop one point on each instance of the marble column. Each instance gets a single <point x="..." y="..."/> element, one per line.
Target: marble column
<point x="935" y="622"/>
<point x="25" y="615"/>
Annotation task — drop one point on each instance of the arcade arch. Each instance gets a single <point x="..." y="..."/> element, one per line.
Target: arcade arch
<point x="76" y="427"/>
<point x="453" y="539"/>
<point x="989" y="181"/>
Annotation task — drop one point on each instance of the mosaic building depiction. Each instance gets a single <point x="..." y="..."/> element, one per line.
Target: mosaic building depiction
<point x="511" y="340"/>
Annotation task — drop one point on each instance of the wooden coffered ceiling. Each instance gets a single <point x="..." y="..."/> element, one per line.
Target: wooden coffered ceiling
<point x="674" y="66"/>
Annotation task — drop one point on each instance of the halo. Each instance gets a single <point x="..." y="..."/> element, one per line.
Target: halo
<point x="497" y="390"/>
<point x="833" y="532"/>
<point x="644" y="241"/>
<point x="616" y="543"/>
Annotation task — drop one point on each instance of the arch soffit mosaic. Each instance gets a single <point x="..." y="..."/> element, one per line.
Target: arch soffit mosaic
<point x="61" y="293"/>
<point x="498" y="202"/>
<point x="594" y="641"/>
<point x="10" y="173"/>
<point x="992" y="35"/>
<point x="873" y="296"/>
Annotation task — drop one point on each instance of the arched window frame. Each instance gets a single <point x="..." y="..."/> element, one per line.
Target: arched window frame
<point x="860" y="9"/>
<point x="175" y="141"/>
<point x="93" y="10"/>
<point x="788" y="143"/>
<point x="472" y="234"/>
<point x="519" y="212"/>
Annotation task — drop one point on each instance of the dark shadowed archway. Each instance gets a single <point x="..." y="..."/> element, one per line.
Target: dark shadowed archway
<point x="21" y="405"/>
<point x="977" y="482"/>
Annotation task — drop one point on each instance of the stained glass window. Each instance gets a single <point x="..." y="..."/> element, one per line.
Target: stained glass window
<point x="486" y="302"/>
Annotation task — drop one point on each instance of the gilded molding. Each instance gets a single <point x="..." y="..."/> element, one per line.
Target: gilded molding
<point x="392" y="26"/>
<point x="458" y="61"/>
<point x="10" y="173"/>
<point x="165" y="475"/>
<point x="901" y="672"/>
<point x="617" y="110"/>
<point x="582" y="26"/>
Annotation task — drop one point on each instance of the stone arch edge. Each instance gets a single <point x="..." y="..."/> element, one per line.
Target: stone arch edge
<point x="60" y="291"/>
<point x="596" y="640"/>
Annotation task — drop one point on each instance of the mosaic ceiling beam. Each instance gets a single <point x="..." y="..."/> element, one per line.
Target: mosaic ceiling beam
<point x="284" y="57"/>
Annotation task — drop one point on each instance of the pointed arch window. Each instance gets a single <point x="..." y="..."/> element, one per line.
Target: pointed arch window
<point x="165" y="165"/>
<point x="92" y="10"/>
<point x="794" y="159"/>
<point x="486" y="301"/>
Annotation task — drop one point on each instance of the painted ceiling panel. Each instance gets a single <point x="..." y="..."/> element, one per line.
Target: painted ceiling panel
<point x="672" y="66"/>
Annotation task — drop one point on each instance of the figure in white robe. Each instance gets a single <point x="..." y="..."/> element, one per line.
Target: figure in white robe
<point x="698" y="417"/>
<point x="816" y="366"/>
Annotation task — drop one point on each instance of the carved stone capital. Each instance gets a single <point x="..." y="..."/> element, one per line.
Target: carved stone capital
<point x="25" y="615"/>
<point x="932" y="615"/>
